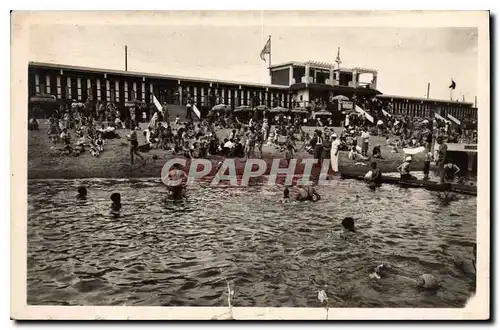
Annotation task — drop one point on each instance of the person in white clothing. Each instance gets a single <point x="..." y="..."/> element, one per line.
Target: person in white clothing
<point x="334" y="153"/>
<point x="366" y="138"/>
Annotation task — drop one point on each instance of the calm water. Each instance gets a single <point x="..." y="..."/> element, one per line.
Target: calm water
<point x="181" y="253"/>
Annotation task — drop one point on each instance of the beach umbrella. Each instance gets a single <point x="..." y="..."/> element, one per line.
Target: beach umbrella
<point x="278" y="110"/>
<point x="221" y="107"/>
<point x="300" y="111"/>
<point x="340" y="98"/>
<point x="42" y="98"/>
<point x="261" y="108"/>
<point x="323" y="113"/>
<point x="243" y="108"/>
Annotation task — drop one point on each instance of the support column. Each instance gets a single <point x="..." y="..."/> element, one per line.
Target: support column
<point x="202" y="95"/>
<point x="89" y="89"/>
<point x="354" y="79"/>
<point x="331" y="78"/>
<point x="143" y="91"/>
<point x="151" y="92"/>
<point x="180" y="94"/>
<point x="223" y="94"/>
<point x="307" y="74"/>
<point x="290" y="77"/>
<point x="374" y="81"/>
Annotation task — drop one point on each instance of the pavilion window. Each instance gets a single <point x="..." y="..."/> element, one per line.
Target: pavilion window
<point x="98" y="83"/>
<point x="47" y="82"/>
<point x="37" y="83"/>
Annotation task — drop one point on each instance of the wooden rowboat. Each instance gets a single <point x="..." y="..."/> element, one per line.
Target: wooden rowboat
<point x="429" y="185"/>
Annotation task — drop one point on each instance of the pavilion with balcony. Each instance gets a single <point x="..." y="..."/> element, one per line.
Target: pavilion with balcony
<point x="316" y="83"/>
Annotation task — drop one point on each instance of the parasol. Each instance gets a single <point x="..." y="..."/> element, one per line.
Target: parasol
<point x="278" y="109"/>
<point x="243" y="108"/>
<point x="77" y="105"/>
<point x="132" y="103"/>
<point x="323" y="113"/>
<point x="300" y="111"/>
<point x="43" y="98"/>
<point x="340" y="98"/>
<point x="261" y="108"/>
<point x="220" y="107"/>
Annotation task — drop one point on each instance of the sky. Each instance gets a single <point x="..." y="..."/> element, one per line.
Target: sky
<point x="407" y="58"/>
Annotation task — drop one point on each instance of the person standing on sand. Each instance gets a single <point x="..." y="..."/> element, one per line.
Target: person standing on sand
<point x="365" y="135"/>
<point x="133" y="146"/>
<point x="334" y="156"/>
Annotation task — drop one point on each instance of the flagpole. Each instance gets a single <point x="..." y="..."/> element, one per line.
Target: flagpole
<point x="428" y="88"/>
<point x="126" y="55"/>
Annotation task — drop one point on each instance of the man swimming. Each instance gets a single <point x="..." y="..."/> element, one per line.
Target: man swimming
<point x="286" y="196"/>
<point x="82" y="193"/>
<point x="307" y="193"/>
<point x="116" y="204"/>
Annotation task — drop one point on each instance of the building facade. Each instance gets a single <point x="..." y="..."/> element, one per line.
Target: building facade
<point x="294" y="84"/>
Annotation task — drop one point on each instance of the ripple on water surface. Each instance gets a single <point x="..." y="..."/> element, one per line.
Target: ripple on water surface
<point x="168" y="253"/>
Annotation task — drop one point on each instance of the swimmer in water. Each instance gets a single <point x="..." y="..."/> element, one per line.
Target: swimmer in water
<point x="307" y="193"/>
<point x="374" y="176"/>
<point x="175" y="187"/>
<point x="395" y="275"/>
<point x="348" y="228"/>
<point x="82" y="193"/>
<point x="348" y="224"/>
<point x="468" y="266"/>
<point x="286" y="196"/>
<point x="116" y="204"/>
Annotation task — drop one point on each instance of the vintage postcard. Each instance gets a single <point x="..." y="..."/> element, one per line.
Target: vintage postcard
<point x="250" y="165"/>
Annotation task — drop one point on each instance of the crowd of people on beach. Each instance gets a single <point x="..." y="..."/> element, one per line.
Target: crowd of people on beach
<point x="248" y="134"/>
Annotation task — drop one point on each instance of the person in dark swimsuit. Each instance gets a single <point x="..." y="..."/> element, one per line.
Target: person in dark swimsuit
<point x="134" y="144"/>
<point x="82" y="193"/>
<point x="175" y="187"/>
<point x="116" y="204"/>
<point x="307" y="193"/>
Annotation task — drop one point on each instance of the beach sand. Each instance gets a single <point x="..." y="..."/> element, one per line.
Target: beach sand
<point x="114" y="162"/>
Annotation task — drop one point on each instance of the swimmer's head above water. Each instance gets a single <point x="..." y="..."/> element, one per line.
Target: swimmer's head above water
<point x="116" y="199"/>
<point x="82" y="192"/>
<point x="286" y="192"/>
<point x="348" y="224"/>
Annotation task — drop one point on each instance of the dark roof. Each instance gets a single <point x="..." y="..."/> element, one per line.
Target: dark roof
<point x="336" y="88"/>
<point x="385" y="96"/>
<point x="149" y="75"/>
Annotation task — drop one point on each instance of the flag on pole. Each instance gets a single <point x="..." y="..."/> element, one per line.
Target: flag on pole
<point x="453" y="85"/>
<point x="266" y="49"/>
<point x="455" y="120"/>
<point x="337" y="60"/>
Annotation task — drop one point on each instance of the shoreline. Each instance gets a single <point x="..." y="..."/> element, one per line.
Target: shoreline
<point x="114" y="162"/>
